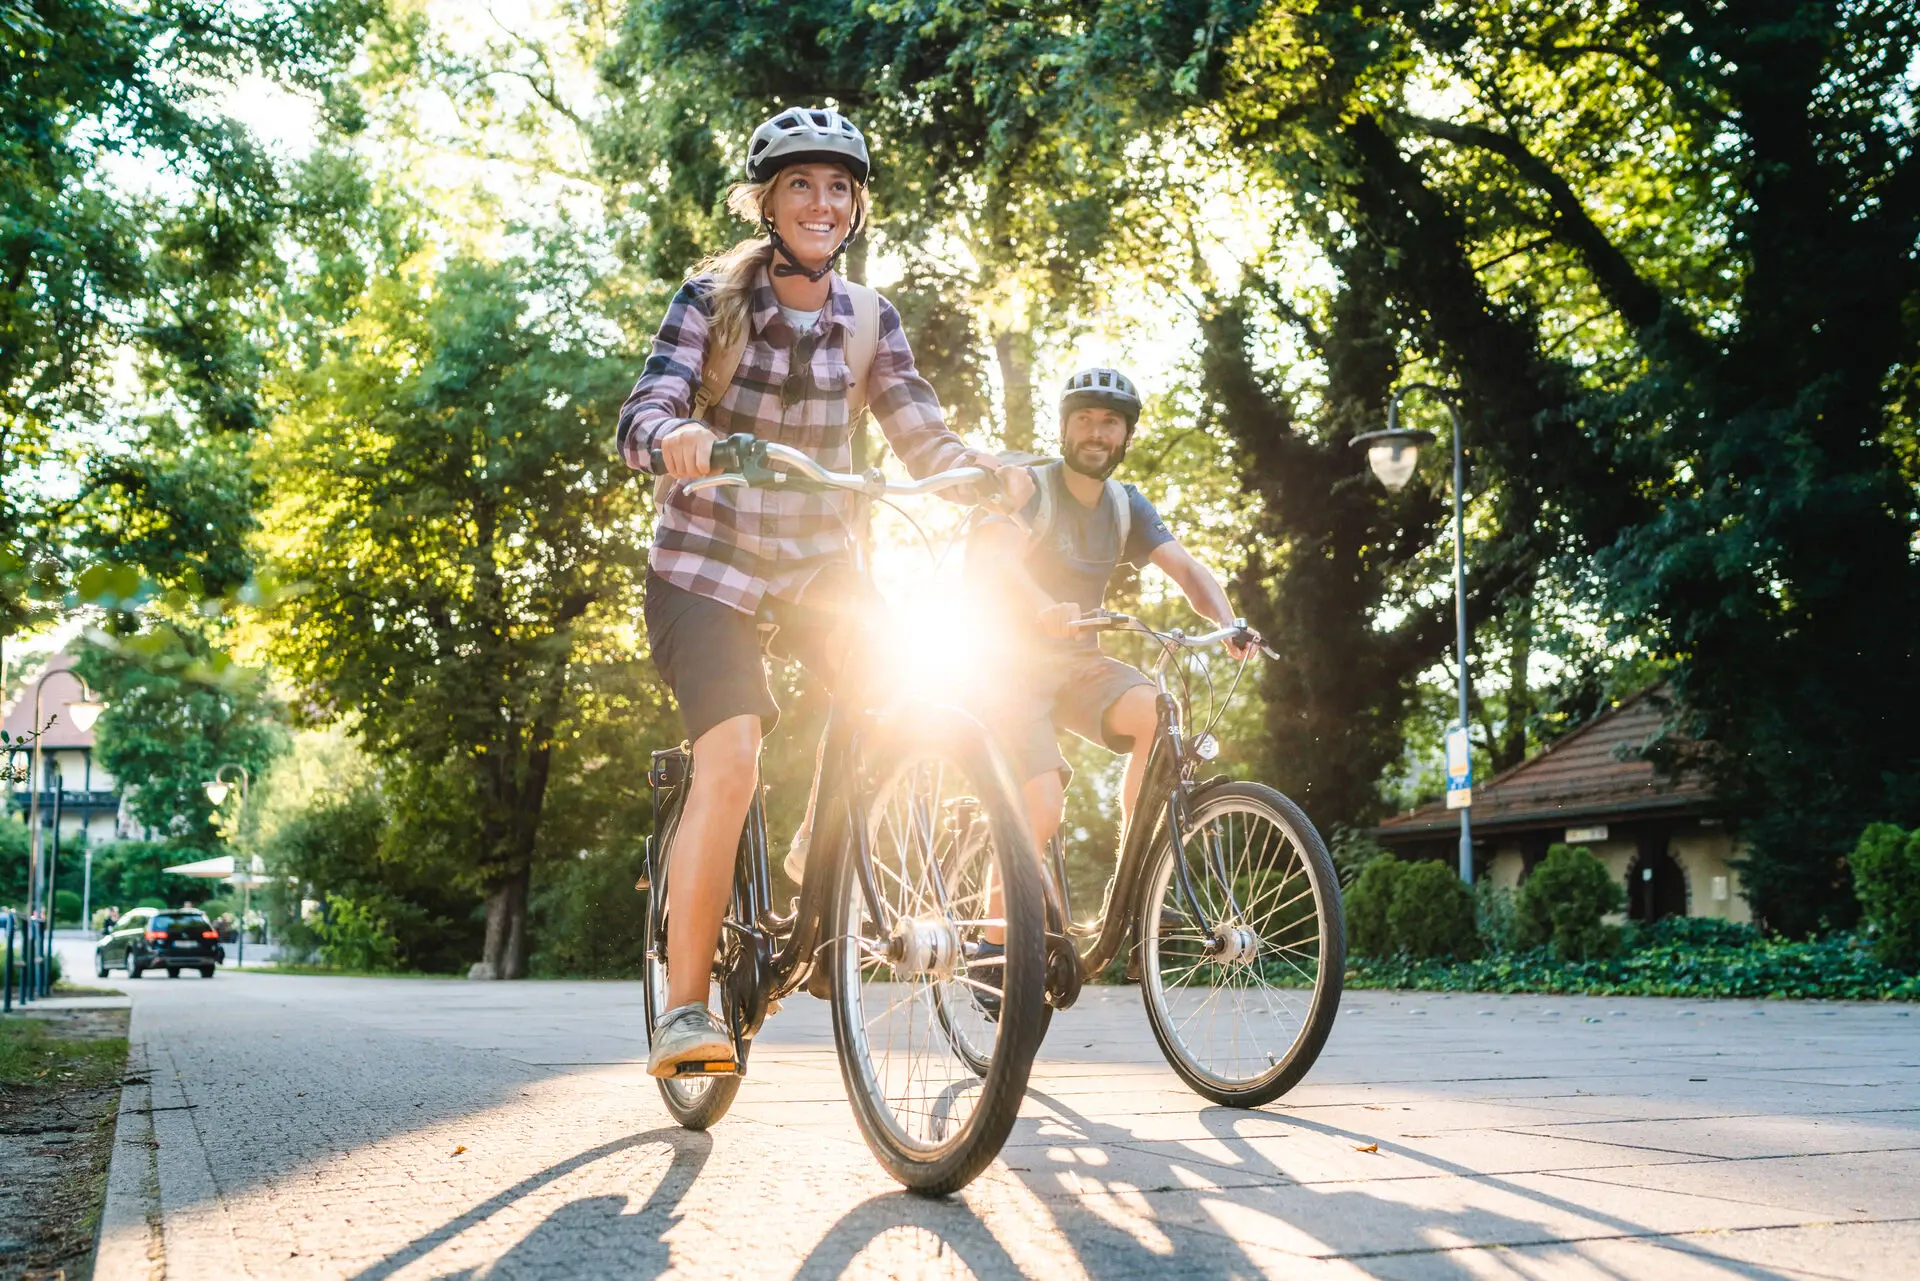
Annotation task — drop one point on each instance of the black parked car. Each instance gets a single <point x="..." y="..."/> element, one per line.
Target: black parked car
<point x="151" y="938"/>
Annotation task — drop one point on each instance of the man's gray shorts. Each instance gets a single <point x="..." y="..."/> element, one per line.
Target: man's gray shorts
<point x="1049" y="692"/>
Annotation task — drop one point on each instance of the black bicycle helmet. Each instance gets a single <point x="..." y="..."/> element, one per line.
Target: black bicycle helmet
<point x="1101" y="388"/>
<point x="807" y="136"/>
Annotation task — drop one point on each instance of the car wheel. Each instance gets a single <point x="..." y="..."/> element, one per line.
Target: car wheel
<point x="99" y="966"/>
<point x="206" y="971"/>
<point x="133" y="969"/>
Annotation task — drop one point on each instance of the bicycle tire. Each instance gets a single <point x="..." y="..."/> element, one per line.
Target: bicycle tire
<point x="695" y="1103"/>
<point x="932" y="1140"/>
<point x="1170" y="946"/>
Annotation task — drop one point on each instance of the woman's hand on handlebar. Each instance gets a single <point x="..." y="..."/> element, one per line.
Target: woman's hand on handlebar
<point x="687" y="451"/>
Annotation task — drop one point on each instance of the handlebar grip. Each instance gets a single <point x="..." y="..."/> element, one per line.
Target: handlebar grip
<point x="726" y="456"/>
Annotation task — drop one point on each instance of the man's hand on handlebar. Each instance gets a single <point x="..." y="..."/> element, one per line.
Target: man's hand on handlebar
<point x="687" y="452"/>
<point x="1056" y="620"/>
<point x="1016" y="485"/>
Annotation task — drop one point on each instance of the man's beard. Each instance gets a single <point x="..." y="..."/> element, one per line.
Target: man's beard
<point x="1072" y="460"/>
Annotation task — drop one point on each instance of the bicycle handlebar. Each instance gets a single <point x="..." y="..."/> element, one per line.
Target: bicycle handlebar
<point x="1101" y="620"/>
<point x="742" y="461"/>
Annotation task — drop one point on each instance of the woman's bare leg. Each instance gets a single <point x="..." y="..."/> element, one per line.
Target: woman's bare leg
<point x="726" y="768"/>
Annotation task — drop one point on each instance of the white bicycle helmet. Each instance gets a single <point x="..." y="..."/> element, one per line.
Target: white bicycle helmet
<point x="807" y="135"/>
<point x="1101" y="388"/>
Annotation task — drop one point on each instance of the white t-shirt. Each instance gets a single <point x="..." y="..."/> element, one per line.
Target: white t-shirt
<point x="802" y="321"/>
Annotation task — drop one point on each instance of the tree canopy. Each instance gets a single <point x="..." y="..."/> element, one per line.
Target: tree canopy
<point x="1664" y="254"/>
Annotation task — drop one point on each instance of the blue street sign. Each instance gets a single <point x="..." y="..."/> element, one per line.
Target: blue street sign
<point x="1459" y="769"/>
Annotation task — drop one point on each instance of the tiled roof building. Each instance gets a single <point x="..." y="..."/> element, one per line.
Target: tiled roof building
<point x="1596" y="788"/>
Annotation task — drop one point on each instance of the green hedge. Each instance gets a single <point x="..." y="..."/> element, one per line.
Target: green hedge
<point x="1886" y="879"/>
<point x="1685" y="957"/>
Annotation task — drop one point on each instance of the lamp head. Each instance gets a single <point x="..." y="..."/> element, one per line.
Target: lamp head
<point x="84" y="712"/>
<point x="217" y="791"/>
<point x="1393" y="454"/>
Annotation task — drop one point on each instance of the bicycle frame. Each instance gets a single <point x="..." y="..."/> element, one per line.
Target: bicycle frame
<point x="1168" y="780"/>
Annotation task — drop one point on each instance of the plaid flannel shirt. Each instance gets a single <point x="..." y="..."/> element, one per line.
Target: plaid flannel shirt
<point x="738" y="545"/>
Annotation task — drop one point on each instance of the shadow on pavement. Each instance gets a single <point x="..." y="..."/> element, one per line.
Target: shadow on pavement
<point x="1342" y="1219"/>
<point x="954" y="1227"/>
<point x="592" y="1236"/>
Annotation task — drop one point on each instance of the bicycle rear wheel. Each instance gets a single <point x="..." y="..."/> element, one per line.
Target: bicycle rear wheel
<point x="906" y="970"/>
<point x="1241" y="1003"/>
<point x="694" y="1102"/>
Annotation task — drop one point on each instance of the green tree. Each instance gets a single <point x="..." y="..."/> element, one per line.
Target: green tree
<point x="88" y="264"/>
<point x="442" y="485"/>
<point x="168" y="728"/>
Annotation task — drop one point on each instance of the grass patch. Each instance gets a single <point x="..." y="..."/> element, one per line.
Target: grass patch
<point x="322" y="971"/>
<point x="75" y="989"/>
<point x="32" y="1055"/>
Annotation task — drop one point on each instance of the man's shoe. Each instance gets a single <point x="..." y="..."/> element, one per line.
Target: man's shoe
<point x="988" y="966"/>
<point x="795" y="863"/>
<point x="691" y="1042"/>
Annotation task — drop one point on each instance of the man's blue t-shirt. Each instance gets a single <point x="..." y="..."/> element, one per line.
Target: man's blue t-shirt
<point x="1082" y="549"/>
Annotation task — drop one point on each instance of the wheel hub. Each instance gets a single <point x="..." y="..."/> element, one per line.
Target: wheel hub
<point x="924" y="947"/>
<point x="1233" y="944"/>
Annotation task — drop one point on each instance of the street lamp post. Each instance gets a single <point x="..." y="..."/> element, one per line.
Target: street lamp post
<point x="217" y="791"/>
<point x="84" y="711"/>
<point x="1392" y="454"/>
<point x="53" y="883"/>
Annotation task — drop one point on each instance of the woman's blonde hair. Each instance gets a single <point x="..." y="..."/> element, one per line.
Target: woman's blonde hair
<point x="735" y="270"/>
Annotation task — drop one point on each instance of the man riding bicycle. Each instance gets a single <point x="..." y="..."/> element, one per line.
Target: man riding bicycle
<point x="1051" y="566"/>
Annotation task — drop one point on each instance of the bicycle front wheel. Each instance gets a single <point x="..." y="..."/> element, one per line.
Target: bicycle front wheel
<point x="936" y="1034"/>
<point x="1241" y="1001"/>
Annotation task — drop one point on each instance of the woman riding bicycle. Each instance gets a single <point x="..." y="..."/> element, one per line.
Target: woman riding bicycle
<point x="807" y="352"/>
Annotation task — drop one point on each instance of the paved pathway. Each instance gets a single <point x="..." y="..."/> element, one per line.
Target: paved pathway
<point x="311" y="1127"/>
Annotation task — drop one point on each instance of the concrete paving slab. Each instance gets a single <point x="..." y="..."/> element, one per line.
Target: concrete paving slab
<point x="317" y="1127"/>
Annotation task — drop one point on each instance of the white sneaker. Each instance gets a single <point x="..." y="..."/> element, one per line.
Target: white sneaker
<point x="691" y="1042"/>
<point x="795" y="864"/>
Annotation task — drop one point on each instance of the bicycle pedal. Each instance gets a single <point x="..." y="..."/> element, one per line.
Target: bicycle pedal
<point x="707" y="1067"/>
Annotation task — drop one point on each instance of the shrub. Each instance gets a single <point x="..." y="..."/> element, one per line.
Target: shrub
<point x="1886" y="879"/>
<point x="1562" y="904"/>
<point x="1352" y="850"/>
<point x="66" y="907"/>
<point x="1367" y="902"/>
<point x="589" y="919"/>
<point x="354" y="936"/>
<point x="1493" y="918"/>
<point x="1696" y="932"/>
<point x="1431" y="915"/>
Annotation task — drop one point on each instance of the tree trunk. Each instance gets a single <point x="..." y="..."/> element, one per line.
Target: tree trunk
<point x="1519" y="696"/>
<point x="1014" y="350"/>
<point x="506" y="947"/>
